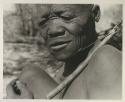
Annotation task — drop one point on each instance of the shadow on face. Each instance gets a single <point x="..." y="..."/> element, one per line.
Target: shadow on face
<point x="66" y="28"/>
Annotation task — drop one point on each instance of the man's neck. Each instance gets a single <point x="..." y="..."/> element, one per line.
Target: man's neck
<point x="72" y="63"/>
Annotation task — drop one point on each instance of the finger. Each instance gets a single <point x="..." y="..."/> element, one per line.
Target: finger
<point x="9" y="88"/>
<point x="25" y="93"/>
<point x="10" y="91"/>
<point x="13" y="82"/>
<point x="21" y="85"/>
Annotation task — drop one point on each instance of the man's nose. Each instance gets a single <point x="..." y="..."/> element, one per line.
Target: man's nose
<point x="55" y="31"/>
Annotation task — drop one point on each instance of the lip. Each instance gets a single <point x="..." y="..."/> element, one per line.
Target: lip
<point x="59" y="45"/>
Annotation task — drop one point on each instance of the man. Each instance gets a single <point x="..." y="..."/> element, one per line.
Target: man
<point x="69" y="33"/>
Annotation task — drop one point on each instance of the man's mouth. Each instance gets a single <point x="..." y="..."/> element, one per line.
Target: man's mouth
<point x="59" y="45"/>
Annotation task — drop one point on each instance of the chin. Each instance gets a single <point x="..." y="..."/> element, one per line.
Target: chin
<point x="62" y="57"/>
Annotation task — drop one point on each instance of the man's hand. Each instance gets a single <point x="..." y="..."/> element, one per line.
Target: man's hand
<point x="18" y="90"/>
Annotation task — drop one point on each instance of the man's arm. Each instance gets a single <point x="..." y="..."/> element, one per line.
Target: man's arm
<point x="38" y="83"/>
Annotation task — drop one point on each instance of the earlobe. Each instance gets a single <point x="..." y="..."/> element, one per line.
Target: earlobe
<point x="96" y="12"/>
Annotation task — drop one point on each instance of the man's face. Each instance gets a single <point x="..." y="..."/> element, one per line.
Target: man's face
<point x="65" y="28"/>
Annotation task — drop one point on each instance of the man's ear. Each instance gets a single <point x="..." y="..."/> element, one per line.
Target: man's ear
<point x="96" y="12"/>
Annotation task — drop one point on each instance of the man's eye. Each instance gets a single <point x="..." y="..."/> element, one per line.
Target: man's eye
<point x="42" y="21"/>
<point x="67" y="16"/>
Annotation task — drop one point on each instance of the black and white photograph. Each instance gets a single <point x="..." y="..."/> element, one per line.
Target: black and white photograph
<point x="62" y="51"/>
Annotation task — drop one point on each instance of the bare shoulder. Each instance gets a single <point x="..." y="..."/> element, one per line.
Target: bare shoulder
<point x="107" y="55"/>
<point x="104" y="73"/>
<point x="108" y="51"/>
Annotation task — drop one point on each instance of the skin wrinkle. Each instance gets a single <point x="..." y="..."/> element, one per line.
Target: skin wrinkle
<point x="81" y="39"/>
<point x="81" y="36"/>
<point x="79" y="27"/>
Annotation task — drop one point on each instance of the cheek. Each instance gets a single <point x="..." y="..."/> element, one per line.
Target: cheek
<point x="77" y="25"/>
<point x="80" y="41"/>
<point x="74" y="29"/>
<point x="79" y="35"/>
<point x="82" y="20"/>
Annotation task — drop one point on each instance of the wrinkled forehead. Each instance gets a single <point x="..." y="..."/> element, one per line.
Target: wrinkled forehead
<point x="72" y="7"/>
<point x="47" y="8"/>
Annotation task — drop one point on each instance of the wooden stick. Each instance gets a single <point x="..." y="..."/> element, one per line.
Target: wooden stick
<point x="72" y="76"/>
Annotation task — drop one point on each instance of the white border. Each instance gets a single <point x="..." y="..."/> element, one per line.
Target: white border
<point x="57" y="2"/>
<point x="64" y="1"/>
<point x="1" y="52"/>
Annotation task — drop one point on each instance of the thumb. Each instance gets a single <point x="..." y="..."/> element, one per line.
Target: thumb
<point x="25" y="92"/>
<point x="9" y="89"/>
